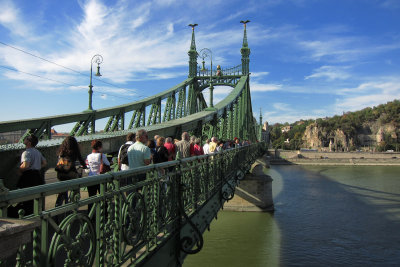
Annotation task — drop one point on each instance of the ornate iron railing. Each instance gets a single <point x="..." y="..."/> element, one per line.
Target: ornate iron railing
<point x="231" y="71"/>
<point x="130" y="223"/>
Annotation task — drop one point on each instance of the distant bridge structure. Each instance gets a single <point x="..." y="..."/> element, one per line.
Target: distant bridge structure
<point x="156" y="222"/>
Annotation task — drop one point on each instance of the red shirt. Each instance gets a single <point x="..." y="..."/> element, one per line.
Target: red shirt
<point x="171" y="150"/>
<point x="198" y="150"/>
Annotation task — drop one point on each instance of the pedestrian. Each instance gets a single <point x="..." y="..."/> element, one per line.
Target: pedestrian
<point x="198" y="150"/>
<point x="206" y="147"/>
<point x="192" y="142"/>
<point x="123" y="163"/>
<point x="93" y="161"/>
<point x="227" y="144"/>
<point x="152" y="145"/>
<point x="139" y="154"/>
<point x="69" y="153"/>
<point x="171" y="148"/>
<point x="237" y="142"/>
<point x="183" y="147"/>
<point x="213" y="144"/>
<point x="220" y="146"/>
<point x="161" y="154"/>
<point x="32" y="161"/>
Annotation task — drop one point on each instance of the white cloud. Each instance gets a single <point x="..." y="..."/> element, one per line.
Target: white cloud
<point x="114" y="32"/>
<point x="369" y="94"/>
<point x="282" y="106"/>
<point x="264" y="87"/>
<point x="216" y="98"/>
<point x="390" y="4"/>
<point x="335" y="49"/>
<point x="259" y="74"/>
<point x="291" y="116"/>
<point x="165" y="2"/>
<point x="359" y="102"/>
<point x="131" y="49"/>
<point x="10" y="18"/>
<point x="221" y="90"/>
<point x="330" y="73"/>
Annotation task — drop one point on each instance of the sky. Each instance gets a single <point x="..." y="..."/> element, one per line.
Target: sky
<point x="309" y="58"/>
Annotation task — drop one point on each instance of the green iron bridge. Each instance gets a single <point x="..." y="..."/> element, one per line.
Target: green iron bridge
<point x="155" y="222"/>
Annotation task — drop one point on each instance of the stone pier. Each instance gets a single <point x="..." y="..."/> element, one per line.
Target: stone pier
<point x="254" y="193"/>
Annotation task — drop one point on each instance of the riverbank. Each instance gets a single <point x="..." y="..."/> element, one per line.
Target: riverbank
<point x="284" y="157"/>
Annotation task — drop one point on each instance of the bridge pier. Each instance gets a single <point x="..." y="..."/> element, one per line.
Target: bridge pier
<point x="254" y="193"/>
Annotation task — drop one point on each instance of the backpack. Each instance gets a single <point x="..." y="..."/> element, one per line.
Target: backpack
<point x="124" y="154"/>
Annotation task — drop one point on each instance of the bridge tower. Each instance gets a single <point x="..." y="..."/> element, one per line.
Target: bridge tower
<point x="192" y="106"/>
<point x="245" y="50"/>
<point x="192" y="55"/>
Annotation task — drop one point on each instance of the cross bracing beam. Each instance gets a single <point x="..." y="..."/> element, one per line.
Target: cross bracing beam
<point x="37" y="123"/>
<point x="240" y="122"/>
<point x="85" y="118"/>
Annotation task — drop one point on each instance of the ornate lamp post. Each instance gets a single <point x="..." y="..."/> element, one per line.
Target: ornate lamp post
<point x="96" y="59"/>
<point x="204" y="53"/>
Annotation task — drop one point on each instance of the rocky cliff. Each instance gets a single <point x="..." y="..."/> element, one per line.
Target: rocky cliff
<point x="371" y="134"/>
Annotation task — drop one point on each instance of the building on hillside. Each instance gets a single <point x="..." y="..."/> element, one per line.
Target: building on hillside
<point x="265" y="133"/>
<point x="286" y="129"/>
<point x="265" y="126"/>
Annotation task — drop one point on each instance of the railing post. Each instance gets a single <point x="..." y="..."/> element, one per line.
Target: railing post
<point x="117" y="222"/>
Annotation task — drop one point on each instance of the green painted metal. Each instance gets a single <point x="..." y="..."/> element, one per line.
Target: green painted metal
<point x="155" y="113"/>
<point x="192" y="55"/>
<point x="245" y="51"/>
<point x="136" y="223"/>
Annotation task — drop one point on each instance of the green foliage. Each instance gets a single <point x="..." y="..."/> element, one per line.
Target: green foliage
<point x="350" y="123"/>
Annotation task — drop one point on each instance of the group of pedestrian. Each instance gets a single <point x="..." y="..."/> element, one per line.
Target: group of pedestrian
<point x="214" y="145"/>
<point x="137" y="151"/>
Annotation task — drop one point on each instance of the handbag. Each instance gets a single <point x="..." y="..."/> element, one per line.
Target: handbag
<point x="65" y="170"/>
<point x="104" y="168"/>
<point x="64" y="165"/>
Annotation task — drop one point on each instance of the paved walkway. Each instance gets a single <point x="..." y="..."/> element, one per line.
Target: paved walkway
<point x="51" y="177"/>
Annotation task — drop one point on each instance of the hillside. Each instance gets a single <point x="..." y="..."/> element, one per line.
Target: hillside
<point x="375" y="128"/>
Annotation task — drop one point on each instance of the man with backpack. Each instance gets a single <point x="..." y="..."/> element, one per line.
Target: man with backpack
<point x="123" y="163"/>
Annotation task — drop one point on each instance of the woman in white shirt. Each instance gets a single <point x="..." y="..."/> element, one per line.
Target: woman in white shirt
<point x="93" y="162"/>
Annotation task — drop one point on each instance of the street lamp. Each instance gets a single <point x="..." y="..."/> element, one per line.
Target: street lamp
<point x="96" y="59"/>
<point x="204" y="53"/>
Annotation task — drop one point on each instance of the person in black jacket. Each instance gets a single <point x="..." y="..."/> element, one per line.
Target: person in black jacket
<point x="161" y="152"/>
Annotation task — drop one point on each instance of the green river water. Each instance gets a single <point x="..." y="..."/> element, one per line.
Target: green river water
<point x="325" y="216"/>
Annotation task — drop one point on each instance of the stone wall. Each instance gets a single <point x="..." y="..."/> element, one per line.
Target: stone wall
<point x="254" y="193"/>
<point x="333" y="158"/>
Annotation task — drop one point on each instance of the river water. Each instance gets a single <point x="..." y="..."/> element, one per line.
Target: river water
<point x="325" y="216"/>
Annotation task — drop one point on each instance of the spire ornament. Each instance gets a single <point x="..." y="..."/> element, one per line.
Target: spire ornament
<point x="193" y="44"/>
<point x="245" y="44"/>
